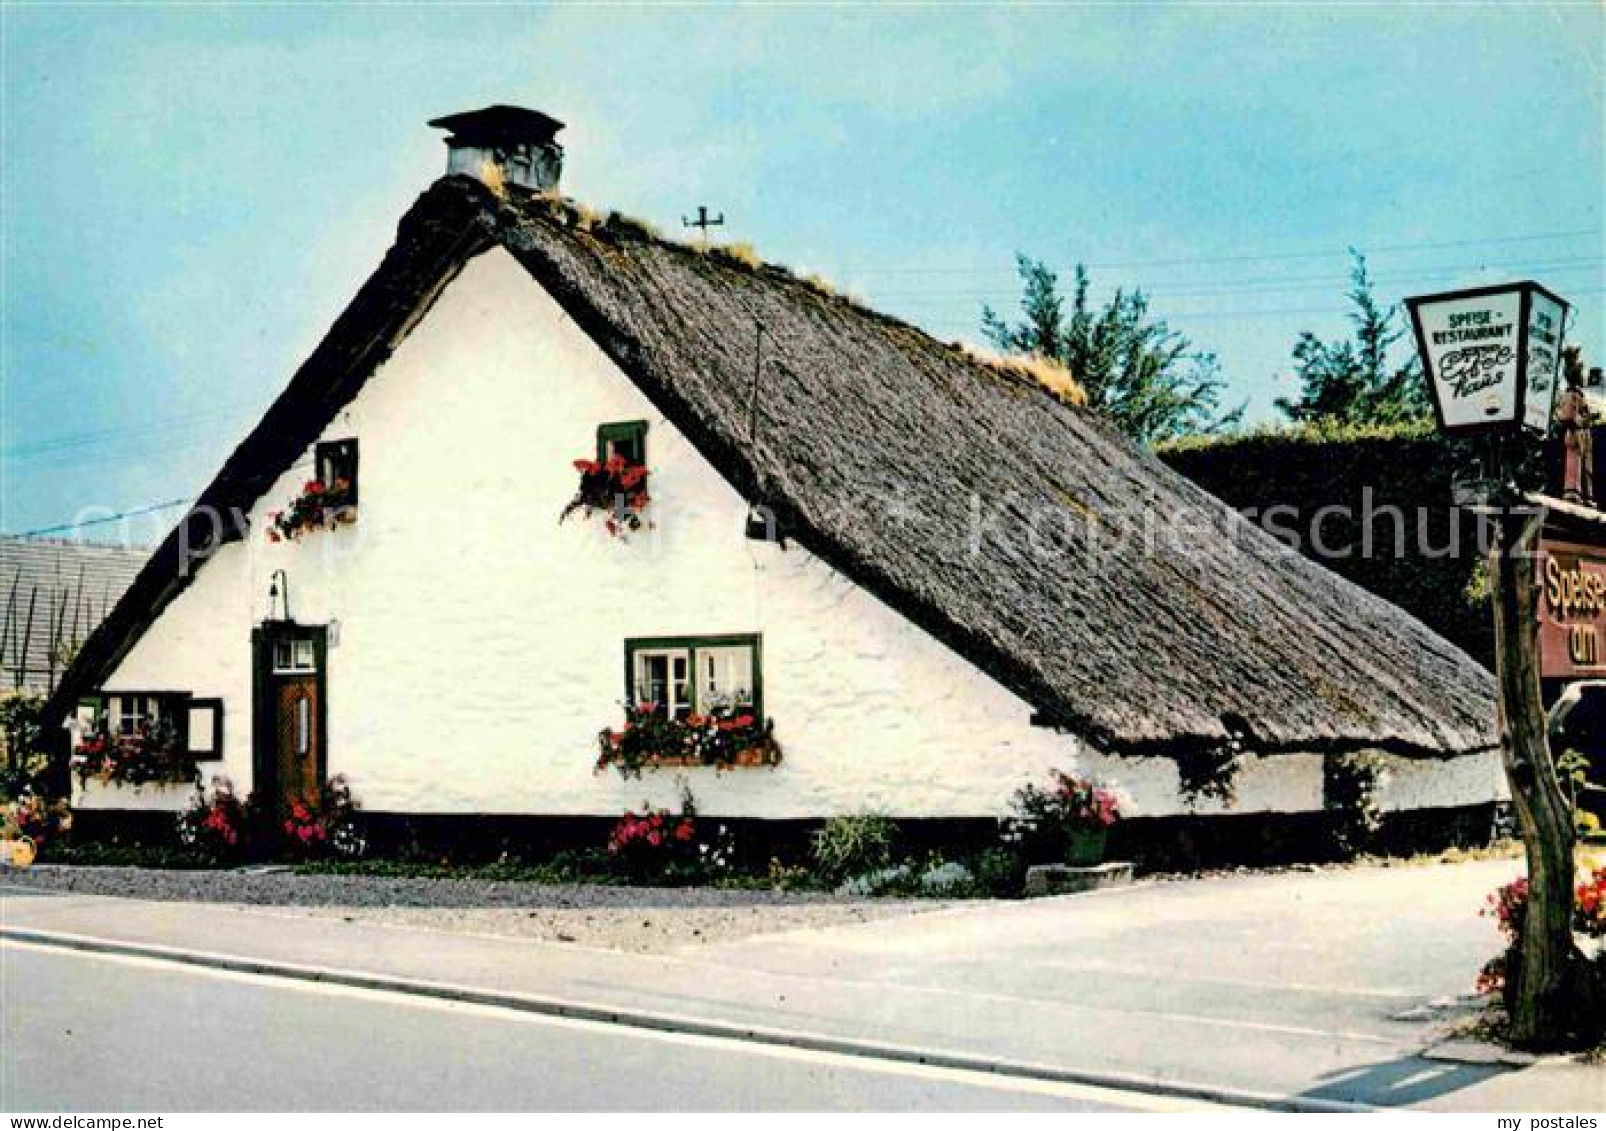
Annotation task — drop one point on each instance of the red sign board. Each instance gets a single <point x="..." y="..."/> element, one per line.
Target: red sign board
<point x="1572" y="610"/>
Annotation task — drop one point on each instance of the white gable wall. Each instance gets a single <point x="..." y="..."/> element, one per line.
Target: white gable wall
<point x="480" y="643"/>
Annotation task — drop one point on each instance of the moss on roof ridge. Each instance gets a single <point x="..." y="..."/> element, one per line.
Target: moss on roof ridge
<point x="1032" y="371"/>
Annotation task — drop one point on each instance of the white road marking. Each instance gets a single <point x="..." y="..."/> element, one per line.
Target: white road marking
<point x="993" y="1081"/>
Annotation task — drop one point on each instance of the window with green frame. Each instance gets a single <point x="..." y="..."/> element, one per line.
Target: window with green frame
<point x="627" y="438"/>
<point x="696" y="674"/>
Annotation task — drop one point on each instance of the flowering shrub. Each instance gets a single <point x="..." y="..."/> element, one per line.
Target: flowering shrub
<point x="326" y="825"/>
<point x="221" y="826"/>
<point x="1508" y="906"/>
<point x="303" y="829"/>
<point x="1589" y="905"/>
<point x="653" y="829"/>
<point x="31" y="816"/>
<point x="216" y="823"/>
<point x="319" y="506"/>
<point x="653" y="842"/>
<point x="615" y="487"/>
<point x="716" y="854"/>
<point x="150" y="754"/>
<point x="662" y="846"/>
<point x="1050" y="824"/>
<point x="726" y="736"/>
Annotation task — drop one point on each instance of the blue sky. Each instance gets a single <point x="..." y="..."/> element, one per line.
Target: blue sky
<point x="192" y="193"/>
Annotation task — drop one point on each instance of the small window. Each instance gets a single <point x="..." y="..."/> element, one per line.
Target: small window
<point x="205" y="729"/>
<point x="695" y="674"/>
<point x="627" y="439"/>
<point x="291" y="657"/>
<point x="89" y="714"/>
<point x="131" y="714"/>
<point x="337" y="464"/>
<point x="142" y="714"/>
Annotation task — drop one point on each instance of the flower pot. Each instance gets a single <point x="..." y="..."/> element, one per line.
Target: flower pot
<point x="1084" y="847"/>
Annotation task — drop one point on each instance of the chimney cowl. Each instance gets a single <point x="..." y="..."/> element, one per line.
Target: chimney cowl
<point x="519" y="145"/>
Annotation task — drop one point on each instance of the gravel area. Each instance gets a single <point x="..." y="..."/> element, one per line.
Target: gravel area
<point x="639" y="919"/>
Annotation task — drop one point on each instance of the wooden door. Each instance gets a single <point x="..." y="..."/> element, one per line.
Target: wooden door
<point x="298" y="743"/>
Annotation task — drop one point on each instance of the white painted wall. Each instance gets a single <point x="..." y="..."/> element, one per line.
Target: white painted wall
<point x="481" y="643"/>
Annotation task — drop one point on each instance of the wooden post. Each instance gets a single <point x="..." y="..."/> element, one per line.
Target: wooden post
<point x="1545" y="977"/>
<point x="27" y="639"/>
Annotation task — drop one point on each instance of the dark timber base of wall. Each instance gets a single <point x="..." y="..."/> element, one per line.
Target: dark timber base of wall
<point x="1180" y="843"/>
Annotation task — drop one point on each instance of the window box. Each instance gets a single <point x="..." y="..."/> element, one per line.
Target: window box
<point x="691" y="701"/>
<point x="141" y="737"/>
<point x="652" y="738"/>
<point x="616" y="488"/>
<point x="325" y="502"/>
<point x="615" y="483"/>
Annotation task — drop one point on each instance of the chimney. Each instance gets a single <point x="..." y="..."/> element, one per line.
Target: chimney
<point x="506" y="145"/>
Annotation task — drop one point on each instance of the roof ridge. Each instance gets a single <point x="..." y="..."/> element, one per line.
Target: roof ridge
<point x="1023" y="369"/>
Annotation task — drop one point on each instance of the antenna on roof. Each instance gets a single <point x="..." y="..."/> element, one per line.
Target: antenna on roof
<point x="704" y="221"/>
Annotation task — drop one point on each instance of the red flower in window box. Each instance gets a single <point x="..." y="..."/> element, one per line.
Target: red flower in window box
<point x="724" y="737"/>
<point x="615" y="488"/>
<point x="319" y="506"/>
<point x="150" y="753"/>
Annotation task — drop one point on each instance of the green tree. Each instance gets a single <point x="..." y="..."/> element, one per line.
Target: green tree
<point x="1353" y="381"/>
<point x="1148" y="379"/>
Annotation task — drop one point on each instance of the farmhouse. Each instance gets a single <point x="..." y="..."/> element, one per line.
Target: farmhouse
<point x="848" y="565"/>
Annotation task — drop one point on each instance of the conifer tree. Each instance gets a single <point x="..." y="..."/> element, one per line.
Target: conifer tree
<point x="1148" y="379"/>
<point x="1354" y="382"/>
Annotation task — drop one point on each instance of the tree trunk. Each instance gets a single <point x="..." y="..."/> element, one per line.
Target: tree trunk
<point x="1548" y="961"/>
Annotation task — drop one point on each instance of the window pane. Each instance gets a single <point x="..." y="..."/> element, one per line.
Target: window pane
<point x="202" y="725"/>
<point x="337" y="461"/>
<point x="652" y="677"/>
<point x="680" y="687"/>
<point x="303" y="725"/>
<point x="725" y="677"/>
<point x="625" y="447"/>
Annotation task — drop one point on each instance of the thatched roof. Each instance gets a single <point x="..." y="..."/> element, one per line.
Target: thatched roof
<point x="877" y="447"/>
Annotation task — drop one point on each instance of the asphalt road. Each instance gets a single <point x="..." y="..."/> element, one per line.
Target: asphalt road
<point x="84" y="1032"/>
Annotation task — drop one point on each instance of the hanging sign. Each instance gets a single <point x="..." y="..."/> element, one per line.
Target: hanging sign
<point x="1492" y="356"/>
<point x="1572" y="610"/>
<point x="1542" y="351"/>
